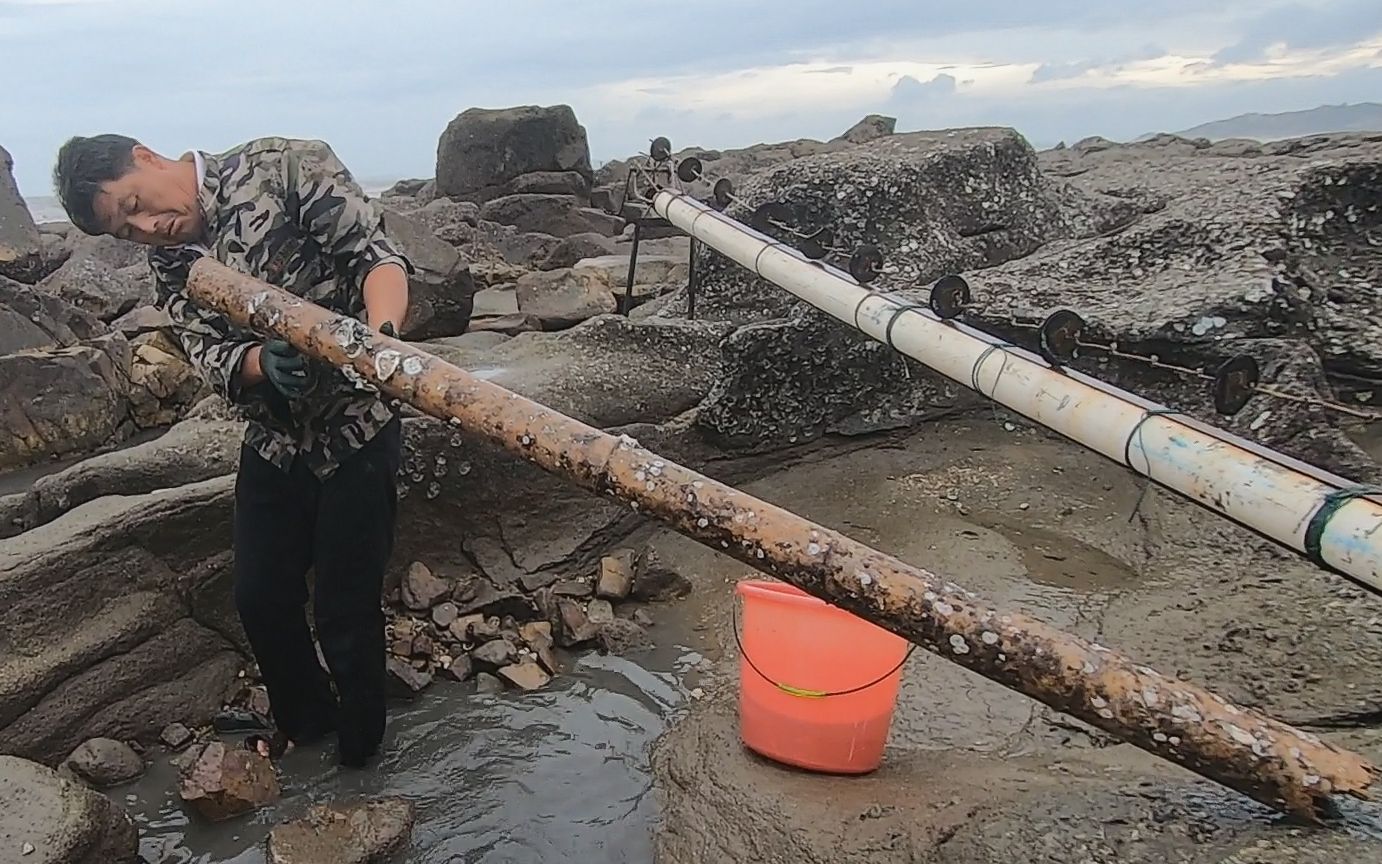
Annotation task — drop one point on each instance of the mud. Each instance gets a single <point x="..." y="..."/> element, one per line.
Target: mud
<point x="977" y="773"/>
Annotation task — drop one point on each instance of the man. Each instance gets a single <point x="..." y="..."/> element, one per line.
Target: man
<point x="316" y="485"/>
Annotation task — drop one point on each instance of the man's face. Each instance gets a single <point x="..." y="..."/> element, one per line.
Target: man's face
<point x="155" y="203"/>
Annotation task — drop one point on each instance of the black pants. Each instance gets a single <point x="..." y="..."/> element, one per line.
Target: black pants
<point x="343" y="529"/>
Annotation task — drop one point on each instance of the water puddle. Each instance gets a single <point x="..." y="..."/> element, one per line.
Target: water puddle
<point x="1061" y="561"/>
<point x="561" y="774"/>
<point x="1369" y="437"/>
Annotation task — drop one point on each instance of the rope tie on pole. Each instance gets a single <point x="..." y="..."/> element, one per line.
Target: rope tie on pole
<point x="1314" y="532"/>
<point x="1127" y="453"/>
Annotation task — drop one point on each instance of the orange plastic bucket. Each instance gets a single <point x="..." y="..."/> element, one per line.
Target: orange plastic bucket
<point x="817" y="684"/>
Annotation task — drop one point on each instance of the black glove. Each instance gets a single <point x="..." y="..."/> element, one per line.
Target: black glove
<point x="286" y="369"/>
<point x="387" y="329"/>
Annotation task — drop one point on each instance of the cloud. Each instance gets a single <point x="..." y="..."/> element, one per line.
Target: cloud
<point x="1062" y="71"/>
<point x="909" y="89"/>
<point x="1303" y="26"/>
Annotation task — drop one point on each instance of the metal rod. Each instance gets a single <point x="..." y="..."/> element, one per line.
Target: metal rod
<point x="1241" y="748"/>
<point x="1334" y="525"/>
<point x="633" y="266"/>
<point x="691" y="282"/>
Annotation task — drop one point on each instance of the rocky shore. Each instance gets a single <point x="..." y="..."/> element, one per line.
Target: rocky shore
<point x="118" y="637"/>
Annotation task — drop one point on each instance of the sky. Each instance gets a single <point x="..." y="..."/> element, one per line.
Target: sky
<point x="380" y="79"/>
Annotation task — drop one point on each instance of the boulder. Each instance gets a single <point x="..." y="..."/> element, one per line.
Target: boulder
<point x="421" y="589"/>
<point x="562" y="298"/>
<point x="551" y="183"/>
<point x="45" y="819"/>
<point x="20" y="246"/>
<point x="871" y="128"/>
<point x="576" y="248"/>
<point x="491" y="302"/>
<point x="31" y="319"/>
<point x="508" y="325"/>
<point x="163" y="387"/>
<point x="99" y="278"/>
<point x="441" y="291"/>
<point x="365" y="833"/>
<point x="557" y="215"/>
<point x="222" y="782"/>
<point x="63" y="401"/>
<point x="105" y="762"/>
<point x="482" y="150"/>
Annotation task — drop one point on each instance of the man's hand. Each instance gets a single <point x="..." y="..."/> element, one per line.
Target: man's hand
<point x="288" y="371"/>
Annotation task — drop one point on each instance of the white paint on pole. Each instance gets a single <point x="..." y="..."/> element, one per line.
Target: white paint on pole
<point x="1265" y="494"/>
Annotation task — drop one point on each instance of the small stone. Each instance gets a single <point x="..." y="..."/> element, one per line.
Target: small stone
<point x="421" y="590"/>
<point x="697" y="693"/>
<point x="105" y="762"/>
<point x="572" y="588"/>
<point x="401" y="645"/>
<point x="423" y="646"/>
<point x="574" y="626"/>
<point x="642" y="618"/>
<point x="495" y="654"/>
<point x="600" y="612"/>
<point x="257" y="700"/>
<point x="526" y="675"/>
<point x="536" y="581"/>
<point x="405" y="681"/>
<point x="488" y="600"/>
<point x="487" y="683"/>
<point x="459" y="669"/>
<point x="535" y="631"/>
<point x="363" y="833"/>
<point x="444" y="613"/>
<point x="622" y="636"/>
<point x="461" y="628"/>
<point x="175" y="736"/>
<point x="616" y="575"/>
<point x="225" y="782"/>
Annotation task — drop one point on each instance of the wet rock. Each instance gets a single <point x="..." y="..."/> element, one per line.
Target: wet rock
<point x="573" y="627"/>
<point x="577" y="248"/>
<point x="494" y="654"/>
<point x="405" y="681"/>
<point x="509" y="325"/>
<point x="599" y="612"/>
<point x="444" y="613"/>
<point x="459" y="668"/>
<point x="487" y="683"/>
<point x="572" y="588"/>
<point x="622" y="636"/>
<point x="555" y="215"/>
<point x="163" y="387"/>
<point x="616" y="575"/>
<point x="225" y="782"/>
<point x="45" y="819"/>
<point x="63" y="401"/>
<point x="442" y="290"/>
<point x="20" y="244"/>
<point x="642" y="618"/>
<point x="654" y="581"/>
<point x="421" y="589"/>
<point x="491" y="601"/>
<point x="32" y="320"/>
<point x="93" y="282"/>
<point x="175" y="736"/>
<point x="482" y="150"/>
<point x="364" y="833"/>
<point x="105" y="762"/>
<point x="525" y="676"/>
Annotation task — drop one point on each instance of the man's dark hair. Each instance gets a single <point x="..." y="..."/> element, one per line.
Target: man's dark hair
<point x="84" y="164"/>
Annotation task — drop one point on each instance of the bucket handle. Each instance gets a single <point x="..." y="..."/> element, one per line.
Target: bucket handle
<point x="801" y="691"/>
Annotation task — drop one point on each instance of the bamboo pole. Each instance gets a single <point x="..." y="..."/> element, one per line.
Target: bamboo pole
<point x="1326" y="518"/>
<point x="1262" y="758"/>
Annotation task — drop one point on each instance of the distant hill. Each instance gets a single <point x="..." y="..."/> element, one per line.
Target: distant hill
<point x="1362" y="117"/>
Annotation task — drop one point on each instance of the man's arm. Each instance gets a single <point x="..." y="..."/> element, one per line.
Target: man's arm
<point x="228" y="364"/>
<point x="333" y="209"/>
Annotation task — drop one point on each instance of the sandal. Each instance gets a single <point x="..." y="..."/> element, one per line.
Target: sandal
<point x="233" y="720"/>
<point x="275" y="742"/>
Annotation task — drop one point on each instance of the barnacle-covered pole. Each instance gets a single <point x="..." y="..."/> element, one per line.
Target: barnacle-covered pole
<point x="1327" y="518"/>
<point x="1263" y="758"/>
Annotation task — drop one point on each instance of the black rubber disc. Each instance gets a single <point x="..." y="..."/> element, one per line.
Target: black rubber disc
<point x="689" y="169"/>
<point x="865" y="263"/>
<point x="724" y="192"/>
<point x="766" y="215"/>
<point x="817" y="246"/>
<point x="661" y="149"/>
<point x="1234" y="384"/>
<point x="1060" y="336"/>
<point x="949" y="296"/>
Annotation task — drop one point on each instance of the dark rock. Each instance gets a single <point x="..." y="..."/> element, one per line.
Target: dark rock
<point x="405" y="682"/>
<point x="494" y="654"/>
<point x="608" y="198"/>
<point x="525" y="676"/>
<point x="365" y="833"/>
<point x="175" y="736"/>
<point x="656" y="582"/>
<point x="163" y="387"/>
<point x="20" y="245"/>
<point x="423" y="646"/>
<point x="32" y="319"/>
<point x="421" y="589"/>
<point x="491" y="601"/>
<point x="91" y="282"/>
<point x="622" y="636"/>
<point x="142" y="321"/>
<point x="616" y="575"/>
<point x="487" y="683"/>
<point x="407" y="188"/>
<point x="572" y="588"/>
<point x="444" y="613"/>
<point x="225" y="782"/>
<point x="562" y="298"/>
<point x="105" y="762"/>
<point x="59" y="820"/>
<point x="482" y="150"/>
<point x="509" y="325"/>
<point x="441" y="292"/>
<point x="573" y="627"/>
<point x="459" y="669"/>
<point x="871" y="128"/>
<point x="575" y="248"/>
<point x="557" y="215"/>
<point x="571" y="183"/>
<point x="449" y="221"/>
<point x="63" y="401"/>
<point x="642" y="618"/>
<point x="534" y="581"/>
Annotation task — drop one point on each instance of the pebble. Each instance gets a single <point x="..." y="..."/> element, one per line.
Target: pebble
<point x="697" y="693"/>
<point x="27" y="849"/>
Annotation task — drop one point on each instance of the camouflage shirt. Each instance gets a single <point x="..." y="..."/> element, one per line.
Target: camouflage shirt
<point x="288" y="213"/>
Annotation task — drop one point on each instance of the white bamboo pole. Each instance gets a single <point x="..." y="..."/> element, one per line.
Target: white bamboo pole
<point x="1262" y="492"/>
